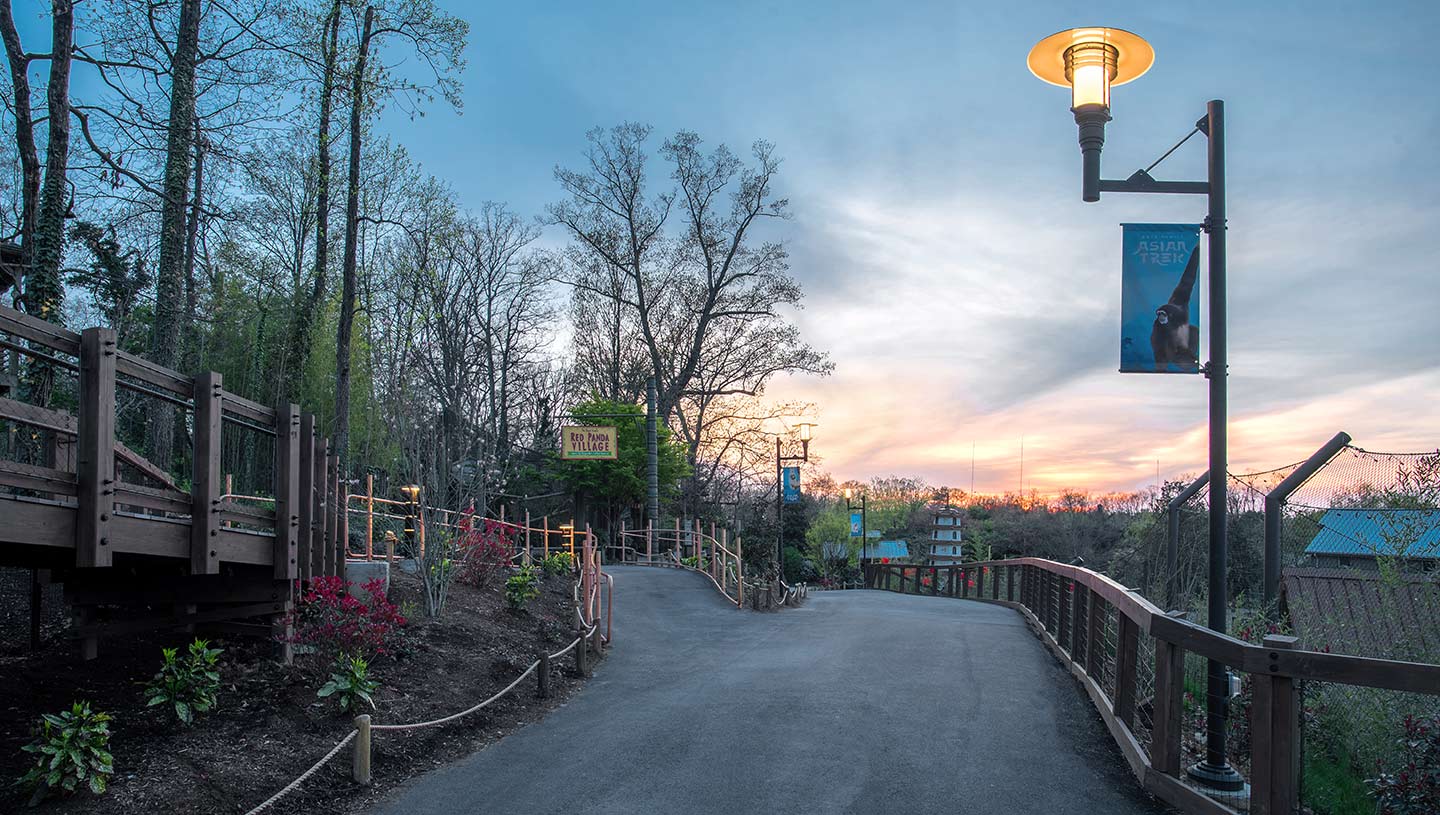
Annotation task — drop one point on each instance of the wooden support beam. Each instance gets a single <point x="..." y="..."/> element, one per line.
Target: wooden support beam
<point x="1166" y="722"/>
<point x="317" y="526"/>
<point x="287" y="491"/>
<point x="95" y="470"/>
<point x="305" y="532"/>
<point x="205" y="483"/>
<point x="1274" y="737"/>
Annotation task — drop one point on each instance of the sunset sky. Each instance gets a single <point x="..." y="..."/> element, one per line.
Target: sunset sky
<point x="965" y="292"/>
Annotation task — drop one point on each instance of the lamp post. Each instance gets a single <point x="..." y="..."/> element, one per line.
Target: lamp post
<point x="780" y="459"/>
<point x="1090" y="61"/>
<point x="863" y="533"/>
<point x="412" y="514"/>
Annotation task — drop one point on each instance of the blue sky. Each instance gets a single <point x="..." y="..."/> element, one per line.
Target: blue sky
<point x="964" y="290"/>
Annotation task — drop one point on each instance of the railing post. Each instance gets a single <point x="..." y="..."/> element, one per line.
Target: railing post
<point x="1274" y="736"/>
<point x="542" y="674"/>
<point x="205" y="476"/>
<point x="1062" y="613"/>
<point x="1126" y="652"/>
<point x="317" y="516"/>
<point x="287" y="491"/>
<point x="306" y="497"/>
<point x="934" y="581"/>
<point x="95" y="460"/>
<point x="1168" y="707"/>
<point x="369" y="516"/>
<point x="1079" y="641"/>
<point x="1095" y="659"/>
<point x="994" y="582"/>
<point x="360" y="758"/>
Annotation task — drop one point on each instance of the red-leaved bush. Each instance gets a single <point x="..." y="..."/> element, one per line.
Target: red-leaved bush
<point x="485" y="548"/>
<point x="335" y="622"/>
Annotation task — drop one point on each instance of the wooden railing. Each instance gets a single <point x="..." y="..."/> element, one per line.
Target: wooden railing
<point x="82" y="503"/>
<point x="718" y="558"/>
<point x="1072" y="609"/>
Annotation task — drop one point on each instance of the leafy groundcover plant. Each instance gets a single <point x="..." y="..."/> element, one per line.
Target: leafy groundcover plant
<point x="557" y="564"/>
<point x="71" y="748"/>
<point x="188" y="685"/>
<point x="350" y="683"/>
<point x="521" y="588"/>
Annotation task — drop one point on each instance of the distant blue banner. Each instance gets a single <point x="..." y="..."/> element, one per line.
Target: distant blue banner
<point x="792" y="485"/>
<point x="1160" y="299"/>
<point x="857" y="522"/>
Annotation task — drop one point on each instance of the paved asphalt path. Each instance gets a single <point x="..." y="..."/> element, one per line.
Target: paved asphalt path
<point x="858" y="702"/>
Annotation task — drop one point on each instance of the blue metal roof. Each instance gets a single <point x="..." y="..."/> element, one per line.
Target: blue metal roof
<point x="1371" y="532"/>
<point x="891" y="549"/>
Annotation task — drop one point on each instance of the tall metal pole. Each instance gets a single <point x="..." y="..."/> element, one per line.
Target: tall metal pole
<point x="1215" y="770"/>
<point x="652" y="453"/>
<point x="864" y="533"/>
<point x="779" y="511"/>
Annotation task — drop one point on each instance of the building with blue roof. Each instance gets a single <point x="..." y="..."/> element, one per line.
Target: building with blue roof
<point x="1357" y="537"/>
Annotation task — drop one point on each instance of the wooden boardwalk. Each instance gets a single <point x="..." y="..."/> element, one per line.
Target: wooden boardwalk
<point x="134" y="550"/>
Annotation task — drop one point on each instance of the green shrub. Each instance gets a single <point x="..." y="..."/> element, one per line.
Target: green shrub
<point x="521" y="588"/>
<point x="558" y="563"/>
<point x="70" y="748"/>
<point x="188" y="685"/>
<point x="350" y="682"/>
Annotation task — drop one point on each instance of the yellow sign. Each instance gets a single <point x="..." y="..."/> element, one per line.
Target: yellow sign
<point x="588" y="442"/>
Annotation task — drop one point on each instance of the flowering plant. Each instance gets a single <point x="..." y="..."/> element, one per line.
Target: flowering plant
<point x="485" y="547"/>
<point x="335" y="621"/>
<point x="1414" y="786"/>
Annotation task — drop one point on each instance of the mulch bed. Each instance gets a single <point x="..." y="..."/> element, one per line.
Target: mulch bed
<point x="269" y="726"/>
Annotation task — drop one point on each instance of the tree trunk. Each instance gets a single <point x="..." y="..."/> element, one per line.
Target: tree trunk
<point x="306" y="308"/>
<point x="43" y="292"/>
<point x="170" y="274"/>
<point x="352" y="241"/>
<point x="192" y="233"/>
<point x="24" y="140"/>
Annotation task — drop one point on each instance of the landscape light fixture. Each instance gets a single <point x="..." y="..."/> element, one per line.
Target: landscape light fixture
<point x="1090" y="61"/>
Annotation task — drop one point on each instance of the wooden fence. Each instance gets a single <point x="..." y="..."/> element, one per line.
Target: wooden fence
<point x="718" y="558"/>
<point x="1072" y="609"/>
<point x="124" y="548"/>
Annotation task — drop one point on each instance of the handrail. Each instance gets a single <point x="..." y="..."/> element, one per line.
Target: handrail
<point x="1068" y="607"/>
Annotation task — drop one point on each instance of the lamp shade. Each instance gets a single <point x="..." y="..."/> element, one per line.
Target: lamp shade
<point x="1089" y="61"/>
<point x="805" y="430"/>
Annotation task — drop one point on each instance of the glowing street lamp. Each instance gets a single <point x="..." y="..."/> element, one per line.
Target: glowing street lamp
<point x="1090" y="61"/>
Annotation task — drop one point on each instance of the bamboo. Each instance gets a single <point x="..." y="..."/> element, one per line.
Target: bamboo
<point x="370" y="516"/>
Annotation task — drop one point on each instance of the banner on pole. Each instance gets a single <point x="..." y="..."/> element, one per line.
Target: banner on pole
<point x="856" y="523"/>
<point x="584" y="442"/>
<point x="792" y="485"/>
<point x="1159" y="299"/>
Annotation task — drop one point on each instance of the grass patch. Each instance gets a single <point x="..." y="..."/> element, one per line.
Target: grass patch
<point x="1333" y="788"/>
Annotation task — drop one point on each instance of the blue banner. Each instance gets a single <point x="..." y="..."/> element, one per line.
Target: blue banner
<point x="1160" y="299"/>
<point x="857" y="522"/>
<point x="792" y="485"/>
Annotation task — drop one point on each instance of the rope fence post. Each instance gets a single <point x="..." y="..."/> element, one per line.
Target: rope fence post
<point x="360" y="757"/>
<point x="582" y="662"/>
<point x="543" y="676"/>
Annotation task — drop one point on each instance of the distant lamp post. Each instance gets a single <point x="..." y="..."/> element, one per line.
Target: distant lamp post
<point x="864" y="539"/>
<point x="412" y="514"/>
<point x="1090" y="61"/>
<point x="806" y="431"/>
